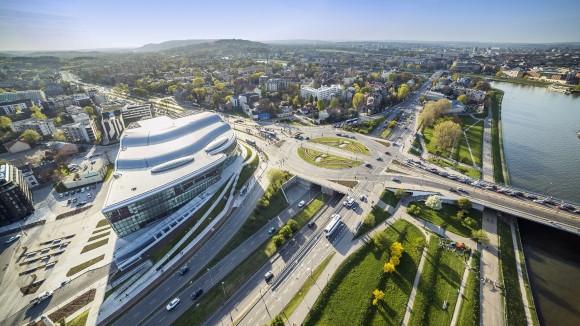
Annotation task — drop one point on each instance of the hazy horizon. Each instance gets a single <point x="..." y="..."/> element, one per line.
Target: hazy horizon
<point x="52" y="25"/>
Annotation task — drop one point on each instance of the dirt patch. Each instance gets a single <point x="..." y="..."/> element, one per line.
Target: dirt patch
<point x="73" y="306"/>
<point x="31" y="288"/>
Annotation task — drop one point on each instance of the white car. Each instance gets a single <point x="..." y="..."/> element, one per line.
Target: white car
<point x="60" y="195"/>
<point x="173" y="304"/>
<point x="89" y="195"/>
<point x="13" y="238"/>
<point x="301" y="203"/>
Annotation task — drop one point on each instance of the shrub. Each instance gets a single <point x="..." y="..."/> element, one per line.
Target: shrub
<point x="413" y="210"/>
<point x="293" y="225"/>
<point x="434" y="202"/>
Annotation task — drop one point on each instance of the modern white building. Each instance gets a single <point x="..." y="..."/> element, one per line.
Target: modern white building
<point x="90" y="171"/>
<point x="42" y="127"/>
<point x="137" y="112"/>
<point x="164" y="163"/>
<point x="323" y="93"/>
<point x="12" y="107"/>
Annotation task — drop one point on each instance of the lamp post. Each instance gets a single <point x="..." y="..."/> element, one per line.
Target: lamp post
<point x="210" y="278"/>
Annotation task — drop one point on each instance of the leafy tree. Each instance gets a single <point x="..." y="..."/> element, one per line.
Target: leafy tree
<point x="369" y="220"/>
<point x="293" y="225"/>
<point x="357" y="100"/>
<point x="403" y="91"/>
<point x="419" y="243"/>
<point x="278" y="240"/>
<point x="296" y="102"/>
<point x="381" y="240"/>
<point x="446" y="134"/>
<point x="433" y="110"/>
<point x="5" y="122"/>
<point x="482" y="86"/>
<point x="577" y="87"/>
<point x="286" y="232"/>
<point x="277" y="321"/>
<point x="480" y="236"/>
<point x="379" y="295"/>
<point x="395" y="260"/>
<point x="413" y="210"/>
<point x="464" y="203"/>
<point x="410" y="66"/>
<point x="334" y="102"/>
<point x="140" y="92"/>
<point x="59" y="135"/>
<point x="417" y="67"/>
<point x="434" y="202"/>
<point x="197" y="82"/>
<point x="30" y="136"/>
<point x="121" y="88"/>
<point x="89" y="110"/>
<point x="455" y="77"/>
<point x="388" y="268"/>
<point x="397" y="249"/>
<point x="263" y="92"/>
<point x="462" y="98"/>
<point x="400" y="193"/>
<point x="392" y="124"/>
<point x="499" y="74"/>
<point x="320" y="105"/>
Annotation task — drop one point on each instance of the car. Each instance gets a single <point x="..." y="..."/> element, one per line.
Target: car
<point x="379" y="158"/>
<point x="387" y="153"/>
<point x="301" y="203"/>
<point x="272" y="230"/>
<point x="43" y="296"/>
<point x="183" y="270"/>
<point x="196" y="294"/>
<point x="81" y="203"/>
<point x="452" y="189"/>
<point x="311" y="224"/>
<point x="268" y="276"/>
<point x="362" y="198"/>
<point x="529" y="196"/>
<point x="68" y="201"/>
<point x="172" y="304"/>
<point x="395" y="179"/>
<point x="539" y="201"/>
<point x="89" y="195"/>
<point x="13" y="238"/>
<point x="60" y="195"/>
<point x="368" y="165"/>
<point x="74" y="200"/>
<point x="82" y="189"/>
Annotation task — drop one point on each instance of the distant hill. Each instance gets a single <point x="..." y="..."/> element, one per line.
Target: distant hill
<point x="155" y="47"/>
<point x="220" y="47"/>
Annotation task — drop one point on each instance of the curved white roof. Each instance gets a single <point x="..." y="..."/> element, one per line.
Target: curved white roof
<point x="161" y="151"/>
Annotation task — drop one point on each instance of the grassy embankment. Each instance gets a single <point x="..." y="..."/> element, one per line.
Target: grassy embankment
<point x="447" y="218"/>
<point x="469" y="313"/>
<point x="440" y="279"/>
<point x="514" y="305"/>
<point x="342" y="143"/>
<point x="324" y="160"/>
<point x="496" y="142"/>
<point x="347" y="298"/>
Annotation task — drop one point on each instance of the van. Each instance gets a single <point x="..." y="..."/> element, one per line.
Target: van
<point x="268" y="276"/>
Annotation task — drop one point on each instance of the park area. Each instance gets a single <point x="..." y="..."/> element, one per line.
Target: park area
<point x="447" y="217"/>
<point x="326" y="160"/>
<point x="342" y="143"/>
<point x="347" y="298"/>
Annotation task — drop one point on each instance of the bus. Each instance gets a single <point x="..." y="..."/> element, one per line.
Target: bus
<point x="350" y="122"/>
<point x="251" y="142"/>
<point x="333" y="225"/>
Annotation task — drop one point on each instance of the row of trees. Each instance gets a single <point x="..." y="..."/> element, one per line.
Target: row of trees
<point x="395" y="259"/>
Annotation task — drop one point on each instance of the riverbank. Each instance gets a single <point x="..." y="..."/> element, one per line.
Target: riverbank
<point x="500" y="172"/>
<point x="519" y="81"/>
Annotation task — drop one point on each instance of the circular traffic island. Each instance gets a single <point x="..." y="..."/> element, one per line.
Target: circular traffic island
<point x="324" y="160"/>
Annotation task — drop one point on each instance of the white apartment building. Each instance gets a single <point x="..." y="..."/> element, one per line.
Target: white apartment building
<point x="42" y="127"/>
<point x="9" y="108"/>
<point x="35" y="96"/>
<point x="323" y="93"/>
<point x="82" y="130"/>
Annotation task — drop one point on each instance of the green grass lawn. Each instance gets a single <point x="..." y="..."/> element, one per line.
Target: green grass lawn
<point x="469" y="313"/>
<point x="98" y="236"/>
<point x="388" y="197"/>
<point x="346" y="300"/>
<point x="475" y="137"/>
<point x="248" y="153"/>
<point x="529" y="296"/>
<point x="80" y="320"/>
<point x="439" y="282"/>
<point x="342" y="143"/>
<point x="326" y="160"/>
<point x="374" y="218"/>
<point x="473" y="173"/>
<point x="214" y="298"/>
<point x="365" y="127"/>
<point x="386" y="133"/>
<point x="95" y="245"/>
<point x="496" y="99"/>
<point x="516" y="314"/>
<point x="430" y="144"/>
<point x="84" y="265"/>
<point x="247" y="171"/>
<point x="102" y="222"/>
<point x="446" y="218"/>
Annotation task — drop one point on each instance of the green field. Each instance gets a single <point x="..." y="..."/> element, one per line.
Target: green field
<point x="214" y="298"/>
<point x="496" y="143"/>
<point x="326" y="160"/>
<point x="342" y="143"/>
<point x="365" y="127"/>
<point x="447" y="218"/>
<point x="473" y="173"/>
<point x="475" y="137"/>
<point x="346" y="300"/>
<point x="374" y="218"/>
<point x="514" y="304"/>
<point x="388" y="197"/>
<point x="469" y="313"/>
<point x="440" y="279"/>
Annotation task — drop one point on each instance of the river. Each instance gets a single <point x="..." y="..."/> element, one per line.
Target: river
<point x="542" y="152"/>
<point x="542" y="149"/>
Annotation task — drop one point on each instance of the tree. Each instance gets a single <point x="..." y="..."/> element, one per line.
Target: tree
<point x="369" y="220"/>
<point x="4" y="122"/>
<point x="320" y="105"/>
<point x="30" y="136"/>
<point x="446" y="134"/>
<point x="462" y="98"/>
<point x="286" y="232"/>
<point x="357" y="100"/>
<point x="403" y="91"/>
<point x="379" y="295"/>
<point x="397" y="249"/>
<point x="381" y="240"/>
<point x="480" y="236"/>
<point x="278" y="240"/>
<point x="464" y="203"/>
<point x="293" y="225"/>
<point x="400" y="193"/>
<point x="388" y="268"/>
<point x="334" y="102"/>
<point x="392" y="124"/>
<point x="296" y="102"/>
<point x="419" y="243"/>
<point x="59" y="135"/>
<point x="198" y="82"/>
<point x="37" y="113"/>
<point x="410" y="66"/>
<point x="121" y="88"/>
<point x="263" y="92"/>
<point x="455" y="77"/>
<point x="89" y="110"/>
<point x="433" y="110"/>
<point x="482" y="86"/>
<point x="395" y="260"/>
<point x="499" y="74"/>
<point x="277" y="321"/>
<point x="434" y="202"/>
<point x="413" y="210"/>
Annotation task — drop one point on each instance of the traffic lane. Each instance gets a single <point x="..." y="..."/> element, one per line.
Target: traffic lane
<point x="160" y="294"/>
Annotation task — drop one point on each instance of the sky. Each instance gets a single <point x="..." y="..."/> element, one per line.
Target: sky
<point x="78" y="24"/>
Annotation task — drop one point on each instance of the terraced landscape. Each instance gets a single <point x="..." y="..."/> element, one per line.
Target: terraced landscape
<point x="326" y="160"/>
<point x="342" y="143"/>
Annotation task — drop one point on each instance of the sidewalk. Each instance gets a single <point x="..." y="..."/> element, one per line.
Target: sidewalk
<point x="415" y="285"/>
<point x="486" y="159"/>
<point x="461" y="289"/>
<point x="491" y="301"/>
<point x="520" y="275"/>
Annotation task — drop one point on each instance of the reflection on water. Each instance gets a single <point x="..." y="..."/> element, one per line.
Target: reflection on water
<point x="553" y="263"/>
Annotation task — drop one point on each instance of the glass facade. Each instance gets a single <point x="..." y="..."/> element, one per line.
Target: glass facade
<point x="135" y="216"/>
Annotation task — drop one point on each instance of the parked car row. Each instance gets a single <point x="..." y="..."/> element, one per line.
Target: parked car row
<point x="76" y="191"/>
<point x="494" y="187"/>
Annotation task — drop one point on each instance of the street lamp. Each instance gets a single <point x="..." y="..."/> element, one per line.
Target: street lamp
<point x="223" y="288"/>
<point x="210" y="278"/>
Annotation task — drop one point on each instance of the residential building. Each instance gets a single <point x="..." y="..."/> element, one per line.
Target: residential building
<point x="16" y="146"/>
<point x="323" y="93"/>
<point x="163" y="164"/>
<point x="276" y="84"/>
<point x="28" y="176"/>
<point x="83" y="129"/>
<point x="90" y="171"/>
<point x="42" y="127"/>
<point x="62" y="148"/>
<point x="12" y="107"/>
<point x="36" y="96"/>
<point x="16" y="200"/>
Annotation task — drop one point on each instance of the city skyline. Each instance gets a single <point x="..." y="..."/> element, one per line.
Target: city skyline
<point x="66" y="25"/>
